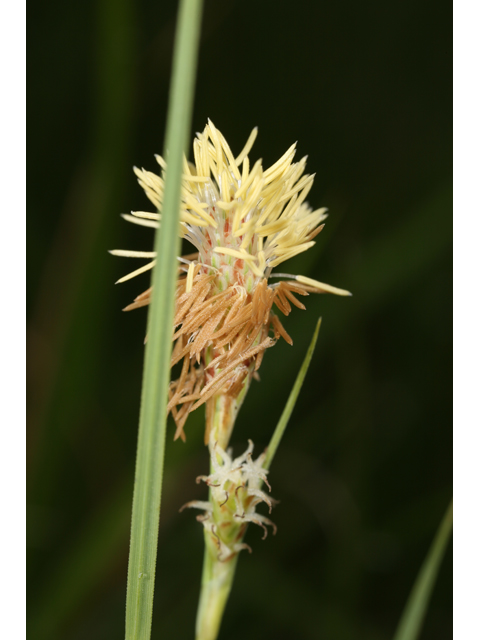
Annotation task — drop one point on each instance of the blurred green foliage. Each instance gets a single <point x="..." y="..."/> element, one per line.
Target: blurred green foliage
<point x="364" y="470"/>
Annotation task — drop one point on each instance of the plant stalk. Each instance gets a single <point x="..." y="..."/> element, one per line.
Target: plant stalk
<point x="217" y="579"/>
<point x="221" y="413"/>
<point x="156" y="373"/>
<point x="217" y="575"/>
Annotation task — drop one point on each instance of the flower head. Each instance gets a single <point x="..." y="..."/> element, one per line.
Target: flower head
<point x="243" y="221"/>
<point x="235" y="486"/>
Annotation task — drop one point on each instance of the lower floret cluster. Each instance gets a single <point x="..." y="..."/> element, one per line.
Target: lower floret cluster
<point x="235" y="491"/>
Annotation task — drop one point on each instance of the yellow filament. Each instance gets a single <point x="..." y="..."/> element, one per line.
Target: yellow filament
<point x="191" y="271"/>
<point x="323" y="286"/>
<point x="247" y="148"/>
<point x="146" y="267"/>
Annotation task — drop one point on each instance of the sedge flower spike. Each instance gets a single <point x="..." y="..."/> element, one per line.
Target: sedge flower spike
<point x="243" y="222"/>
<point x="235" y="486"/>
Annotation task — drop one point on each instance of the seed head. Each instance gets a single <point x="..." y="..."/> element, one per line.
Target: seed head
<point x="243" y="221"/>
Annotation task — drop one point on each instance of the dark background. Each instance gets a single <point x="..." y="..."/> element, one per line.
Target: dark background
<point x="364" y="471"/>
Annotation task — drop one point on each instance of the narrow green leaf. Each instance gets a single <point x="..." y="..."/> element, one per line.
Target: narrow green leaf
<point x="156" y="374"/>
<point x="413" y="615"/>
<point x="287" y="412"/>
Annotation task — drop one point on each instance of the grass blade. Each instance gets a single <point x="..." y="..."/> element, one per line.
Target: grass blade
<point x="413" y="615"/>
<point x="156" y="374"/>
<point x="292" y="399"/>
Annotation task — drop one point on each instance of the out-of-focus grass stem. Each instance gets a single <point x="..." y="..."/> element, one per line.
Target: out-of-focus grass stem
<point x="156" y="375"/>
<point x="411" y="622"/>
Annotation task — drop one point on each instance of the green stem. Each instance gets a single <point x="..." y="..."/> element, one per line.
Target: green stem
<point x="156" y="374"/>
<point x="221" y="413"/>
<point x="217" y="576"/>
<point x="217" y="579"/>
